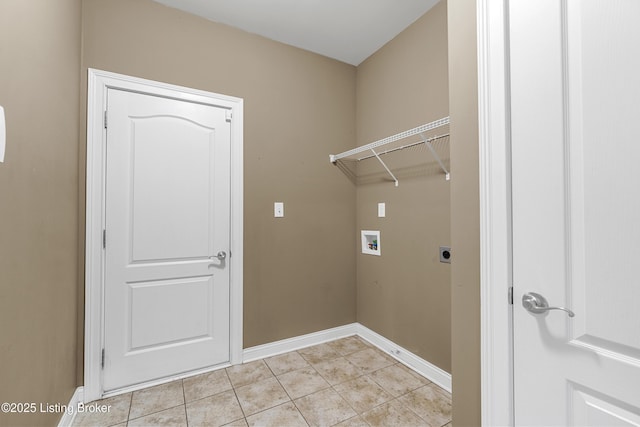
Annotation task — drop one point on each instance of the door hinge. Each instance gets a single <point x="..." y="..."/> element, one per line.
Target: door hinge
<point x="102" y="359"/>
<point x="105" y="119"/>
<point x="510" y="296"/>
<point x="104" y="239"/>
<point x="228" y="115"/>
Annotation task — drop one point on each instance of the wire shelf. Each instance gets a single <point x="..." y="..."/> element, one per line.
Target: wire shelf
<point x="390" y="144"/>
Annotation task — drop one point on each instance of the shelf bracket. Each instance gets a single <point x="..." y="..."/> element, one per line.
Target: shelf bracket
<point x="447" y="175"/>
<point x="385" y="166"/>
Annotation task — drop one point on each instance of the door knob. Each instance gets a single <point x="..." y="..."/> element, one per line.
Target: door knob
<point x="537" y="304"/>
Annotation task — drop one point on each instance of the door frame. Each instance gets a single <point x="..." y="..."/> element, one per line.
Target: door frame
<point x="497" y="392"/>
<point x="98" y="84"/>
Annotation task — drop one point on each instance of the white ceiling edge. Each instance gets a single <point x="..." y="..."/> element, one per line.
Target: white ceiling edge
<point x="347" y="30"/>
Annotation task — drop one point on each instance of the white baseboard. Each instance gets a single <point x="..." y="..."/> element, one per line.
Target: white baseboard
<point x="291" y="344"/>
<point x="424" y="368"/>
<point x="69" y="415"/>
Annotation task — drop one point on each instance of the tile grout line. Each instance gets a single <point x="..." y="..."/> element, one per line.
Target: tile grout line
<point x="394" y="398"/>
<point x="331" y="386"/>
<point x="411" y="409"/>
<point x="358" y="414"/>
<point x="233" y="388"/>
<point x="244" y="415"/>
<point x="184" y="400"/>
<point x="156" y="412"/>
<point x="294" y="402"/>
<point x="342" y="355"/>
<point x="130" y="405"/>
<point x="285" y="390"/>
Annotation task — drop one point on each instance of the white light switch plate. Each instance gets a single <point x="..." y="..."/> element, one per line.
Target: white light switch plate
<point x="278" y="209"/>
<point x="381" y="210"/>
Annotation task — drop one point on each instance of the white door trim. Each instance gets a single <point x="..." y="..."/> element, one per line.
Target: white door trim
<point x="495" y="213"/>
<point x="99" y="82"/>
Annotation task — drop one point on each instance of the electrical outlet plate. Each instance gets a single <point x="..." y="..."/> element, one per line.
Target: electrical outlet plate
<point x="445" y="254"/>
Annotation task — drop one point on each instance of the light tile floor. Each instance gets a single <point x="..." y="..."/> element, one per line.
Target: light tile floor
<point x="346" y="382"/>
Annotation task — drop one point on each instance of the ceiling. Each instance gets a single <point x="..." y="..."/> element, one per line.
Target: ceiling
<point x="346" y="30"/>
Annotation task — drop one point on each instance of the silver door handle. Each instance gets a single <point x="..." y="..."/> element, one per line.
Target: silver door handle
<point x="536" y="303"/>
<point x="221" y="255"/>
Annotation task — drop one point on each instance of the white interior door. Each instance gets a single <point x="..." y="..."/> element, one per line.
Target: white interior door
<point x="167" y="219"/>
<point x="575" y="70"/>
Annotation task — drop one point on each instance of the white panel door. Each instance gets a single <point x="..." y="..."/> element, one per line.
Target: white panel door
<point x="575" y="87"/>
<point x="167" y="218"/>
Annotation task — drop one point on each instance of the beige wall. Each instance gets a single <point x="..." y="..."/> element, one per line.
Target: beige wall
<point x="465" y="213"/>
<point x="405" y="293"/>
<point x="39" y="89"/>
<point x="300" y="271"/>
<point x="299" y="107"/>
